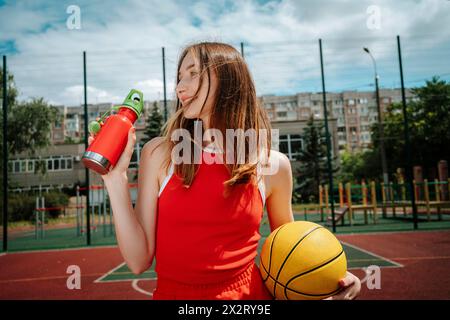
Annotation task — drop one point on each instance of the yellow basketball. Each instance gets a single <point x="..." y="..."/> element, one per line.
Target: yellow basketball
<point x="302" y="261"/>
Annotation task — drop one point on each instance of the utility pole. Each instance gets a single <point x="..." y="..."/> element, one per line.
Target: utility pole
<point x="327" y="133"/>
<point x="380" y="124"/>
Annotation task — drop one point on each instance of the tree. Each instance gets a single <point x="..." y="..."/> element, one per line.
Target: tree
<point x="29" y="125"/>
<point x="360" y="165"/>
<point x="11" y="89"/>
<point x="313" y="163"/>
<point x="429" y="125"/>
<point x="154" y="124"/>
<point x="70" y="140"/>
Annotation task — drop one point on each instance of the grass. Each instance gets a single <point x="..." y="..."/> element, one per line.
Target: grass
<point x="51" y="222"/>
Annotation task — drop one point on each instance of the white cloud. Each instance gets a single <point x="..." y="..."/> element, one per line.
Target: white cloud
<point x="74" y="95"/>
<point x="123" y="41"/>
<point x="156" y="89"/>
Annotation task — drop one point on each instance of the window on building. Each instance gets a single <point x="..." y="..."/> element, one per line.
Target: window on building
<point x="284" y="144"/>
<point x="59" y="163"/>
<point x="56" y="164"/>
<point x="305" y="114"/>
<point x="21" y="165"/>
<point x="30" y="166"/>
<point x="291" y="145"/>
<point x="296" y="148"/>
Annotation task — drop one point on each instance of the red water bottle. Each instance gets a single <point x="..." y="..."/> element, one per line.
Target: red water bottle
<point x="111" y="135"/>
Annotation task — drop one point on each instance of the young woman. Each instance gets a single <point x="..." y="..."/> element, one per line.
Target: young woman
<point x="201" y="219"/>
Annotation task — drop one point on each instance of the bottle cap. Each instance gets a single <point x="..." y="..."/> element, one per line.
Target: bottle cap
<point x="134" y="101"/>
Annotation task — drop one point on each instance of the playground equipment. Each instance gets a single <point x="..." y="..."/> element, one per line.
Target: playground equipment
<point x="100" y="215"/>
<point x="104" y="217"/>
<point x="429" y="195"/>
<point x="346" y="206"/>
<point x="394" y="196"/>
<point x="39" y="216"/>
<point x="423" y="194"/>
<point x="424" y="199"/>
<point x="98" y="199"/>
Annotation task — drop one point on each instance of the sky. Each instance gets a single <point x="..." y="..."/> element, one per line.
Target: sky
<point x="44" y="43"/>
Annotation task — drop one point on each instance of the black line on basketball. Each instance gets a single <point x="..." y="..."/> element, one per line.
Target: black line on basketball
<point x="299" y="292"/>
<point x="289" y="254"/>
<point x="270" y="255"/>
<point x="309" y="271"/>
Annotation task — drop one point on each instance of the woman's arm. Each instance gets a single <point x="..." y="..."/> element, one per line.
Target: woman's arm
<point x="278" y="203"/>
<point x="135" y="228"/>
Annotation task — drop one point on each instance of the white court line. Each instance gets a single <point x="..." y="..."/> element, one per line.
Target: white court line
<point x="64" y="249"/>
<point x="368" y="233"/>
<point x="124" y="280"/>
<point x="135" y="286"/>
<point x="398" y="265"/>
<point x="108" y="273"/>
<point x="118" y="280"/>
<point x="381" y="267"/>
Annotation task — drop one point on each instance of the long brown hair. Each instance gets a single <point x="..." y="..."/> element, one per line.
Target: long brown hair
<point x="235" y="106"/>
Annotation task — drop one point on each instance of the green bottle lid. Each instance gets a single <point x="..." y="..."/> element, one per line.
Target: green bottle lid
<point x="134" y="101"/>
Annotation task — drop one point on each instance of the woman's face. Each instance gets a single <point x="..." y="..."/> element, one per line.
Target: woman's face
<point x="188" y="84"/>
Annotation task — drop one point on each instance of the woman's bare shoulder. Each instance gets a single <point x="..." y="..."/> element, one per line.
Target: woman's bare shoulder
<point x="277" y="170"/>
<point x="153" y="154"/>
<point x="276" y="161"/>
<point x="153" y="145"/>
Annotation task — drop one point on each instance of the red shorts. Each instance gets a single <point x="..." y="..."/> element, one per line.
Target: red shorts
<point x="246" y="286"/>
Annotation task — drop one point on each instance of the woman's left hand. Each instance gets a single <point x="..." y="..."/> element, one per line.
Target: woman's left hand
<point x="351" y="286"/>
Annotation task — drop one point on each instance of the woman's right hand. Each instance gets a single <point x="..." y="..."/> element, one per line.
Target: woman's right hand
<point x="124" y="161"/>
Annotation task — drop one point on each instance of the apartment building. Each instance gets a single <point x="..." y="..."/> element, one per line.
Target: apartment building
<point x="355" y="112"/>
<point x="72" y="126"/>
<point x="350" y="116"/>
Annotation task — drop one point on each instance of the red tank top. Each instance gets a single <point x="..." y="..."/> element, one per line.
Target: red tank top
<point x="201" y="236"/>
